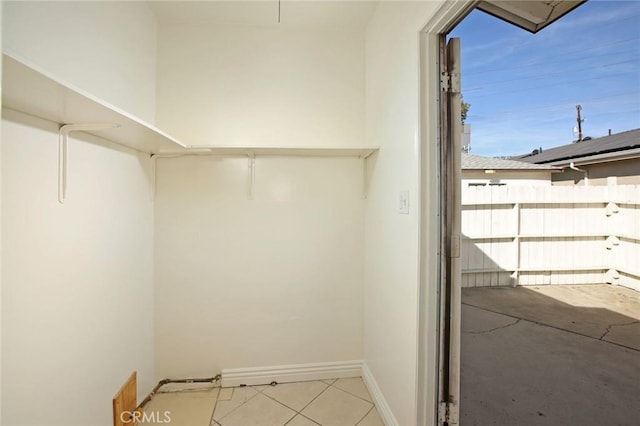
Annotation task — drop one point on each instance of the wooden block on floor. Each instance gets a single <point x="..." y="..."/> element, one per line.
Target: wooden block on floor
<point x="125" y="401"/>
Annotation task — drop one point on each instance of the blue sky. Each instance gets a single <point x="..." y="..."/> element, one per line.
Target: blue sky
<point x="523" y="88"/>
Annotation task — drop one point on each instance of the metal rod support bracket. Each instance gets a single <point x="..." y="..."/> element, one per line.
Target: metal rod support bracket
<point x="365" y="174"/>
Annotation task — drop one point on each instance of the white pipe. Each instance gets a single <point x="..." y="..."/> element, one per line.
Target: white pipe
<point x="586" y="173"/>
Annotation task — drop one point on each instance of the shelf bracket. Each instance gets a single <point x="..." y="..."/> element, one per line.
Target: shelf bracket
<point x="365" y="174"/>
<point x="63" y="136"/>
<point x="154" y="176"/>
<point x="252" y="173"/>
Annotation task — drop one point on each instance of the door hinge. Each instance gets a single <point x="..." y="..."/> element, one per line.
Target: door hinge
<point x="448" y="413"/>
<point x="450" y="82"/>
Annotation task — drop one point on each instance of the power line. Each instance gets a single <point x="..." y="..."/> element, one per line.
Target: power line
<point x="531" y="39"/>
<point x="557" y="84"/>
<point x="629" y="115"/>
<point x="543" y="76"/>
<point x="546" y="61"/>
<point x="578" y="51"/>
<point x="559" y="114"/>
<point x="559" y="104"/>
<point x="506" y="130"/>
<point x="617" y="112"/>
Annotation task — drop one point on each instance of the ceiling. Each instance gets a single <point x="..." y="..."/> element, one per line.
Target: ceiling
<point x="300" y="14"/>
<point x="355" y="14"/>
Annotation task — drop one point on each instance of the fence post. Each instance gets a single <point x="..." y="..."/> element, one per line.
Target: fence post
<point x="516" y="241"/>
<point x="612" y="276"/>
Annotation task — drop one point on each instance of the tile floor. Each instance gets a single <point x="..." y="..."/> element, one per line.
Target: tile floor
<point x="336" y="402"/>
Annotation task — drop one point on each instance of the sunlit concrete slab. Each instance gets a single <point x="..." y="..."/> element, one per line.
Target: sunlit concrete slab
<point x="549" y="361"/>
<point x="604" y="311"/>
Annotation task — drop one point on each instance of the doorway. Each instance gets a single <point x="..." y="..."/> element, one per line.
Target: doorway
<point x="448" y="202"/>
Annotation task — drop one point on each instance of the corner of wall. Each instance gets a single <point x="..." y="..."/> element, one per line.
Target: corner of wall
<point x="384" y="410"/>
<point x="393" y="304"/>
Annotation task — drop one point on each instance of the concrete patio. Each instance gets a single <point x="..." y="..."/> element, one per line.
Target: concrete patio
<point x="550" y="355"/>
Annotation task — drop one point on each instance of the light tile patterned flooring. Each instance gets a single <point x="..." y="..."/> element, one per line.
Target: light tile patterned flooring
<point x="336" y="402"/>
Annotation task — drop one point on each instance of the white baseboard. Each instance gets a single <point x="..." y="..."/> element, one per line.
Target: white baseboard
<point x="290" y="373"/>
<point x="378" y="399"/>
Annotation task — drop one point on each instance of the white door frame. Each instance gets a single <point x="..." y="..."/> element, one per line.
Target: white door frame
<point x="430" y="260"/>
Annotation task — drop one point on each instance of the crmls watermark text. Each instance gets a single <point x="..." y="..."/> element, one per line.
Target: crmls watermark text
<point x="137" y="417"/>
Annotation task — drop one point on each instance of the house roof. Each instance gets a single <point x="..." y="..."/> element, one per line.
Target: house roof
<point x="476" y="162"/>
<point x="597" y="149"/>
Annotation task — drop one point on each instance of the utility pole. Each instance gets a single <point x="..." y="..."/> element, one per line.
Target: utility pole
<point x="580" y="120"/>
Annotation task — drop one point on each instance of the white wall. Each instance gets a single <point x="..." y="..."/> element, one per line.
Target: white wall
<point x="242" y="85"/>
<point x="77" y="278"/>
<point x="250" y="283"/>
<point x="277" y="280"/>
<point x="391" y="239"/>
<point x="105" y="48"/>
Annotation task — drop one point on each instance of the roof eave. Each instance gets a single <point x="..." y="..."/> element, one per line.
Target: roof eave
<point x="531" y="16"/>
<point x="599" y="158"/>
<point x="550" y="169"/>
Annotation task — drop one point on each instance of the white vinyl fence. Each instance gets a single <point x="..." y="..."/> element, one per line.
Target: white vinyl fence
<point x="550" y="235"/>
